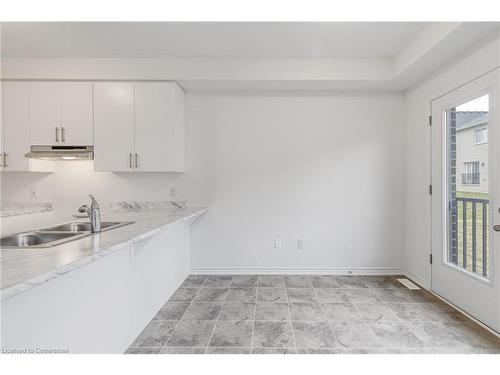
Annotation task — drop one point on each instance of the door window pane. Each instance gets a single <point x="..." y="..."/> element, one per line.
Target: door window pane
<point x="467" y="200"/>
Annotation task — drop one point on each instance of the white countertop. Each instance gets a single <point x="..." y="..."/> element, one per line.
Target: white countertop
<point x="23" y="269"/>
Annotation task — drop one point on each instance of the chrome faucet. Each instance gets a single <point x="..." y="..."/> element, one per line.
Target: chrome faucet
<point x="94" y="214"/>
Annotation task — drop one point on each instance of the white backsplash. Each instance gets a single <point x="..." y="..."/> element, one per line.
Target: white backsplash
<point x="24" y="208"/>
<point x="69" y="186"/>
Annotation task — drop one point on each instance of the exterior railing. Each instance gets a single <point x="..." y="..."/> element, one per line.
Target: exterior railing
<point x="470" y="179"/>
<point x="472" y="234"/>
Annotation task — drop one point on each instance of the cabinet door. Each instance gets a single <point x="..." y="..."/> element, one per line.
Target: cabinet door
<point x="157" y="122"/>
<point x="16" y="126"/>
<point x="113" y="126"/>
<point x="77" y="116"/>
<point x="16" y="130"/>
<point x="2" y="124"/>
<point x="45" y="113"/>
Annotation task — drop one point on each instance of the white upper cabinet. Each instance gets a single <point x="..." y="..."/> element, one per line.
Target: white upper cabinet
<point x="139" y="127"/>
<point x="134" y="126"/>
<point x="159" y="127"/>
<point x="15" y="141"/>
<point x="45" y="113"/>
<point x="61" y="113"/>
<point x="77" y="114"/>
<point x="114" y="126"/>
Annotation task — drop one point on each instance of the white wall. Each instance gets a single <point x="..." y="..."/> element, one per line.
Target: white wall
<point x="324" y="169"/>
<point x="327" y="170"/>
<point x="349" y="175"/>
<point x="274" y="167"/>
<point x="417" y="152"/>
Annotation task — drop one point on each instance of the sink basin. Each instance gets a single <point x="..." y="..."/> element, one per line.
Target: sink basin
<point x="56" y="235"/>
<point x="35" y="239"/>
<point x="82" y="226"/>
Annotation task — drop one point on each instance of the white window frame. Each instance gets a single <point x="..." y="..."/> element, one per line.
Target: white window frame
<point x="476" y="131"/>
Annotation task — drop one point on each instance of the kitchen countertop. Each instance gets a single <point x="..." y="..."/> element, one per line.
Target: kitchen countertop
<point x="23" y="269"/>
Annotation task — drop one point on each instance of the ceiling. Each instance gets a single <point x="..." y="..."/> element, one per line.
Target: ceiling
<point x="227" y="40"/>
<point x="251" y="56"/>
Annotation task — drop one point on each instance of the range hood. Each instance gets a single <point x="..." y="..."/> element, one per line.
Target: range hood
<point x="61" y="152"/>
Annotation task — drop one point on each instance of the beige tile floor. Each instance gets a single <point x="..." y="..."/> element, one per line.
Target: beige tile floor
<point x="308" y="314"/>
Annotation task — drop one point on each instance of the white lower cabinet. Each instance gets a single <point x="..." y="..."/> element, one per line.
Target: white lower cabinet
<point x="139" y="127"/>
<point x="100" y="307"/>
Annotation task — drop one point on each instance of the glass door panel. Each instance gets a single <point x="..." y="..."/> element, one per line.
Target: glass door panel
<point x="467" y="200"/>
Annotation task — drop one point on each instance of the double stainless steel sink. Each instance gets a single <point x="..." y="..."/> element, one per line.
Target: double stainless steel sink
<point x="55" y="235"/>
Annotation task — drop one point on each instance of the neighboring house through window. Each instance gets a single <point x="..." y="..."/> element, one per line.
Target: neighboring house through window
<point x="471" y="175"/>
<point x="471" y="150"/>
<point x="480" y="136"/>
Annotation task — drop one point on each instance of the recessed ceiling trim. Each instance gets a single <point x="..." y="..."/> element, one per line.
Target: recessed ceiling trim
<point x="435" y="45"/>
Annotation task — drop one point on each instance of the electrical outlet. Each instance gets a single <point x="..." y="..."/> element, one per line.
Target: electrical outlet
<point x="34" y="193"/>
<point x="300" y="244"/>
<point x="277" y="244"/>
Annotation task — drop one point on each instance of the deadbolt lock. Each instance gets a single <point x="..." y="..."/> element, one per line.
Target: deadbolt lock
<point x="496" y="228"/>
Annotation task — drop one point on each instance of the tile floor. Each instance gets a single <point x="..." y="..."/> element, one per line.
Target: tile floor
<point x="308" y="314"/>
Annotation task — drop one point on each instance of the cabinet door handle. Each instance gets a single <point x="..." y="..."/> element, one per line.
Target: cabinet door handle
<point x="5" y="159"/>
<point x="130" y="160"/>
<point x="137" y="160"/>
<point x="63" y="134"/>
<point x="57" y="134"/>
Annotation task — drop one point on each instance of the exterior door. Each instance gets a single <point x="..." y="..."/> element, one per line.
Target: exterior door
<point x="465" y="198"/>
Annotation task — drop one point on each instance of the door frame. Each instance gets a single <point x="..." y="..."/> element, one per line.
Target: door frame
<point x="494" y="180"/>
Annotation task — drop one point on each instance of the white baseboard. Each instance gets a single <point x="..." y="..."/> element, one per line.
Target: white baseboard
<point x="368" y="271"/>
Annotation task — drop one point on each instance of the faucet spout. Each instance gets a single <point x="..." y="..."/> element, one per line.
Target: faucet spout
<point x="93" y="203"/>
<point x="93" y="213"/>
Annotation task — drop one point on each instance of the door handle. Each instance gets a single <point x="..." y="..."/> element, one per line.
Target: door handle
<point x="137" y="160"/>
<point x="63" y="134"/>
<point x="496" y="228"/>
<point x="130" y="160"/>
<point x="5" y="159"/>
<point x="57" y="134"/>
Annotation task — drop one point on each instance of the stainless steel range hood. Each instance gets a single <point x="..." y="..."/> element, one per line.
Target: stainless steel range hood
<point x="61" y="152"/>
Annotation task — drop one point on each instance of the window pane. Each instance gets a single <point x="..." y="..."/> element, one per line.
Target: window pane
<point x="481" y="136"/>
<point x="467" y="200"/>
